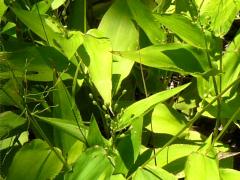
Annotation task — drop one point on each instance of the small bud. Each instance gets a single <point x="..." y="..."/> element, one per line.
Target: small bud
<point x="94" y="103"/>
<point x="115" y="106"/>
<point x="124" y="91"/>
<point x="104" y="107"/>
<point x="107" y="116"/>
<point x="90" y="95"/>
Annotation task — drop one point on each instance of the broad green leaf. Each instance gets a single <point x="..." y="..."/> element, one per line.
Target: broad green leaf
<point x="67" y="42"/>
<point x="66" y="110"/>
<point x="116" y="31"/>
<point x="141" y="107"/>
<point x="92" y="164"/>
<point x="3" y="8"/>
<point x="184" y="28"/>
<point x="37" y="62"/>
<point x="229" y="174"/>
<point x="35" y="160"/>
<point x="219" y="14"/>
<point x="94" y="134"/>
<point x="10" y="121"/>
<point x="57" y="3"/>
<point x="153" y="173"/>
<point x="144" y="18"/>
<point x="231" y="63"/>
<point x="171" y="57"/>
<point x="200" y="166"/>
<point x="166" y="120"/>
<point x="67" y="126"/>
<point x="100" y="67"/>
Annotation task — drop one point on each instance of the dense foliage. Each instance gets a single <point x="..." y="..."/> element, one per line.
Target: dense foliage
<point x="124" y="89"/>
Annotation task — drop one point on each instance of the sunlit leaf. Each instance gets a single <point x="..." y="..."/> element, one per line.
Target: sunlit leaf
<point x="166" y="120"/>
<point x="100" y="66"/>
<point x="219" y="14"/>
<point x="141" y="107"/>
<point x="116" y="31"/>
<point x="229" y="174"/>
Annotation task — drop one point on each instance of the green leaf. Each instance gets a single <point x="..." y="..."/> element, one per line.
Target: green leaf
<point x="39" y="63"/>
<point x="229" y="174"/>
<point x="67" y="42"/>
<point x="144" y="18"/>
<point x="153" y="173"/>
<point x="166" y="120"/>
<point x="92" y="164"/>
<point x="200" y="166"/>
<point x="94" y="135"/>
<point x="3" y="8"/>
<point x="184" y="28"/>
<point x="141" y="107"/>
<point x="100" y="66"/>
<point x="67" y="126"/>
<point x="10" y="121"/>
<point x="41" y="6"/>
<point x="174" y="157"/>
<point x="129" y="147"/>
<point x="66" y="110"/>
<point x="171" y="57"/>
<point x="35" y="160"/>
<point x="57" y="3"/>
<point x="220" y="15"/>
<point x="116" y="31"/>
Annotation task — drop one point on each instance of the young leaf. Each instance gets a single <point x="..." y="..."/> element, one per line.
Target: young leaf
<point x="184" y="28"/>
<point x="35" y="160"/>
<point x="92" y="164"/>
<point x="141" y="107"/>
<point x="100" y="67"/>
<point x="144" y="18"/>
